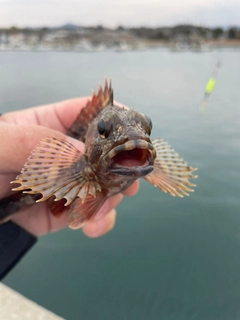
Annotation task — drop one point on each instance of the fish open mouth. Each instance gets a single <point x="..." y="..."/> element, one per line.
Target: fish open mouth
<point x="132" y="158"/>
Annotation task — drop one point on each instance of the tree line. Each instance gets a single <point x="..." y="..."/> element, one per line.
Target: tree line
<point x="159" y="33"/>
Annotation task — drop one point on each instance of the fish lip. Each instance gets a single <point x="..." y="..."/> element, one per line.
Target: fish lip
<point x="133" y="171"/>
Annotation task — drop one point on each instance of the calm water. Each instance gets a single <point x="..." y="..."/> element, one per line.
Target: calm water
<point x="167" y="258"/>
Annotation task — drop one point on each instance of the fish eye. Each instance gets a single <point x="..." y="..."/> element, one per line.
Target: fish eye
<point x="103" y="128"/>
<point x="149" y="121"/>
<point x="149" y="127"/>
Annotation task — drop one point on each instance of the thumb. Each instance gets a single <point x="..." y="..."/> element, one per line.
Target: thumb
<point x="18" y="141"/>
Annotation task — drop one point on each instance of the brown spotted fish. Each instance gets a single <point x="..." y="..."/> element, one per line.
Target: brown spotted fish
<point x="118" y="151"/>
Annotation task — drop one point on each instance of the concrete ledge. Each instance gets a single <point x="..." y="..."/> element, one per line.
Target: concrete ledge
<point x="15" y="306"/>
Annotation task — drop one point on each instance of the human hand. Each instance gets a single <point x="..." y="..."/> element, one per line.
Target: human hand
<point x="20" y="132"/>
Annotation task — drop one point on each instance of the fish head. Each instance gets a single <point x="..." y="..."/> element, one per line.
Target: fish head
<point x="118" y="141"/>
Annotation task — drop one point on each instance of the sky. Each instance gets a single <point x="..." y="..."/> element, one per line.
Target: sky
<point x="112" y="13"/>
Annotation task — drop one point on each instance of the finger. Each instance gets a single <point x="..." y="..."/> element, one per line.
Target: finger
<point x="98" y="228"/>
<point x="20" y="140"/>
<point x="58" y="116"/>
<point x="108" y="205"/>
<point x="38" y="219"/>
<point x="132" y="190"/>
<point x="6" y="187"/>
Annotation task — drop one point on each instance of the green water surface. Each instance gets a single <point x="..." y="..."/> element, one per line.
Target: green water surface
<point x="167" y="258"/>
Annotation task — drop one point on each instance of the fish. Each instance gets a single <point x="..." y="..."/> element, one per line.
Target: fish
<point x="118" y="151"/>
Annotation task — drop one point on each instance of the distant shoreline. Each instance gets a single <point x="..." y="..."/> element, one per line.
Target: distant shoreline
<point x="77" y="38"/>
<point x="142" y="46"/>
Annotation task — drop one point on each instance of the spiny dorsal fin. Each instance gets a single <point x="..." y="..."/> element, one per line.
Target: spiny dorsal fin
<point x="171" y="174"/>
<point x="93" y="107"/>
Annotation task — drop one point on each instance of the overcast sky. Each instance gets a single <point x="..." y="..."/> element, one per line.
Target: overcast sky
<point x="112" y="13"/>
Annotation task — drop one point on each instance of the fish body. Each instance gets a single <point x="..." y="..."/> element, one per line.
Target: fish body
<point x="118" y="151"/>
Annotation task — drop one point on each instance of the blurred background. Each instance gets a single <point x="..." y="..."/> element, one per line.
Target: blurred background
<point x="167" y="258"/>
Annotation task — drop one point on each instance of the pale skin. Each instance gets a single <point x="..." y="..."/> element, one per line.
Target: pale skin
<point x="20" y="132"/>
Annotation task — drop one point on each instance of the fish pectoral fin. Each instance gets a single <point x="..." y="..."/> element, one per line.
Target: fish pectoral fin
<point x="171" y="174"/>
<point x="81" y="212"/>
<point x="56" y="168"/>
